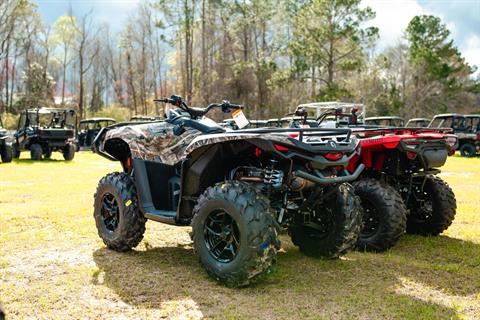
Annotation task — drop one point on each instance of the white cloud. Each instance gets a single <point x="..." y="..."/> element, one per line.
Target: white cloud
<point x="471" y="51"/>
<point x="392" y="18"/>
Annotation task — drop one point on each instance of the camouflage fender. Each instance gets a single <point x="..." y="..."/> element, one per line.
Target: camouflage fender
<point x="157" y="142"/>
<point x="223" y="137"/>
<point x="154" y="141"/>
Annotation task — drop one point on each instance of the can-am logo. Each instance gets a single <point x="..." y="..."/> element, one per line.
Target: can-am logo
<point x="333" y="144"/>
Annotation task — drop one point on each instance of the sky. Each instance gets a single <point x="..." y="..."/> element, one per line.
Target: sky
<point x="462" y="17"/>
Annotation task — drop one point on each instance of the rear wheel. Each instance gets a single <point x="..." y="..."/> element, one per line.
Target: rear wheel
<point x="69" y="152"/>
<point x="334" y="226"/>
<point x="16" y="150"/>
<point x="234" y="233"/>
<point x="433" y="210"/>
<point x="7" y="153"/>
<point x="47" y="153"/>
<point x="36" y="151"/>
<point x="384" y="215"/>
<point x="468" y="150"/>
<point x="119" y="222"/>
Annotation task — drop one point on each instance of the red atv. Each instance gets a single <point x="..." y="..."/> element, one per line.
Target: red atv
<point x="399" y="188"/>
<point x="401" y="164"/>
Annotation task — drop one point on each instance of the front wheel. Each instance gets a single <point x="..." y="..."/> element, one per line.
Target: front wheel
<point x="7" y="153"/>
<point x="384" y="215"/>
<point x="468" y="150"/>
<point x="47" y="153"/>
<point x="16" y="150"/>
<point x="433" y="210"/>
<point x="69" y="152"/>
<point x="36" y="151"/>
<point x="234" y="233"/>
<point x="119" y="221"/>
<point x="334" y="225"/>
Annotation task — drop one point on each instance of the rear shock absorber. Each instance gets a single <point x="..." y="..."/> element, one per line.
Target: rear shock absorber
<point x="272" y="176"/>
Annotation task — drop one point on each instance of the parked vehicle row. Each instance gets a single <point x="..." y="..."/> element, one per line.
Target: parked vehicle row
<point x="332" y="178"/>
<point x="333" y="183"/>
<point x="42" y="131"/>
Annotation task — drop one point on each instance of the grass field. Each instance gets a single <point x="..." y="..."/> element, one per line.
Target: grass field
<point x="54" y="266"/>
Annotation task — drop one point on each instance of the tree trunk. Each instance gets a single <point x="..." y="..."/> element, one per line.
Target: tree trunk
<point x="130" y="82"/>
<point x="7" y="67"/>
<point x="64" y="74"/>
<point x="313" y="83"/>
<point x="80" y="94"/>
<point x="204" y="76"/>
<point x="13" y="81"/>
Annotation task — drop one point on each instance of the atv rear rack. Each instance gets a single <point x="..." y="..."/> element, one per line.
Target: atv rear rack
<point x="302" y="132"/>
<point x="401" y="130"/>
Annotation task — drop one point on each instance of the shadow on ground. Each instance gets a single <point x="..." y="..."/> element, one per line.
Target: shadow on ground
<point x="30" y="161"/>
<point x="363" y="285"/>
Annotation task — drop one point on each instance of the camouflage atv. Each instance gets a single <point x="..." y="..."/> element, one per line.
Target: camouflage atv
<point x="6" y="152"/>
<point x="236" y="189"/>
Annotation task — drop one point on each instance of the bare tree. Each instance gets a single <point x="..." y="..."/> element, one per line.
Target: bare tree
<point x="87" y="50"/>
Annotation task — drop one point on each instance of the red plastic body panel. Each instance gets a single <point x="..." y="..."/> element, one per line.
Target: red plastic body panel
<point x="373" y="143"/>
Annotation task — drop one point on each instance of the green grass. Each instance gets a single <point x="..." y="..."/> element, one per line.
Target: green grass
<point x="54" y="266"/>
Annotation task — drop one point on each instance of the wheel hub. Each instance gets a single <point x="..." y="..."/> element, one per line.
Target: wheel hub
<point x="222" y="236"/>
<point x="371" y="219"/>
<point x="110" y="212"/>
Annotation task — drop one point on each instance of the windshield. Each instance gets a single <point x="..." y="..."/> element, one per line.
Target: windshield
<point x="397" y="122"/>
<point x="472" y="124"/>
<point x="54" y="119"/>
<point x="450" y="122"/>
<point x="385" y="122"/>
<point x="418" y="123"/>
<point x="436" y="123"/>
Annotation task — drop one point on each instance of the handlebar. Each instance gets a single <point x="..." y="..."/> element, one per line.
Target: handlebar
<point x="177" y="101"/>
<point x="337" y="112"/>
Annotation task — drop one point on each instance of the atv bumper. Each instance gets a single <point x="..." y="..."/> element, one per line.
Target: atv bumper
<point x="319" y="178"/>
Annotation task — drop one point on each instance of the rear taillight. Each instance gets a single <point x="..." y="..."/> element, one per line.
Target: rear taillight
<point x="293" y="135"/>
<point x="258" y="152"/>
<point x="333" y="156"/>
<point x="411" y="155"/>
<point x="451" y="152"/>
<point x="280" y="147"/>
<point x="391" y="145"/>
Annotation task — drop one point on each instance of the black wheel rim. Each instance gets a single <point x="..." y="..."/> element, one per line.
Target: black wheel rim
<point x="110" y="212"/>
<point x="421" y="207"/>
<point x="469" y="152"/>
<point x="425" y="210"/>
<point x="370" y="219"/>
<point x="321" y="225"/>
<point x="222" y="236"/>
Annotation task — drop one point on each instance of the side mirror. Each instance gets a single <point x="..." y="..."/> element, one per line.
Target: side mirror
<point x="176" y="100"/>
